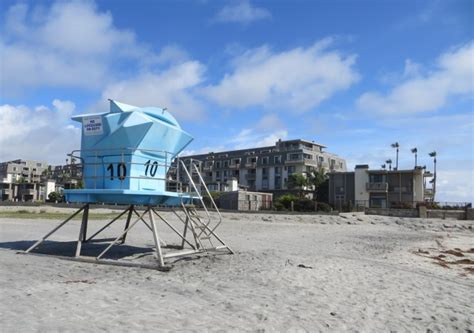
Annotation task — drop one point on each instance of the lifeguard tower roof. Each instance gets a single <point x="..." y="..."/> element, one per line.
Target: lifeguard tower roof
<point x="126" y="155"/>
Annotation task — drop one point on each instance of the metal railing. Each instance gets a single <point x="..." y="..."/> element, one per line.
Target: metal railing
<point x="379" y="186"/>
<point x="158" y="165"/>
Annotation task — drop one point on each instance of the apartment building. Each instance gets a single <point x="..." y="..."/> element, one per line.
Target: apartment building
<point x="22" y="170"/>
<point x="67" y="176"/>
<point x="264" y="168"/>
<point x="22" y="180"/>
<point x="377" y="188"/>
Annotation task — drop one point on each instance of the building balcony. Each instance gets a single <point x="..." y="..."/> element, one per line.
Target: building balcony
<point x="296" y="161"/>
<point x="377" y="187"/>
<point x="28" y="192"/>
<point x="234" y="166"/>
<point x="428" y="193"/>
<point x="251" y="164"/>
<point x="250" y="176"/>
<point x="207" y="168"/>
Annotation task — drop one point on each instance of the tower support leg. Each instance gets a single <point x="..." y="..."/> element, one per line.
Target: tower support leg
<point x="127" y="224"/>
<point x="156" y="238"/>
<point x="35" y="245"/>
<point x="82" y="230"/>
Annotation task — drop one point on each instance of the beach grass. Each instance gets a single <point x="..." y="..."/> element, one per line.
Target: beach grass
<point x="43" y="214"/>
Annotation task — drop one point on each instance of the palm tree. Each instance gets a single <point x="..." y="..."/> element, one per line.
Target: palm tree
<point x="396" y="145"/>
<point x="383" y="166"/>
<point x="317" y="178"/>
<point x="297" y="181"/>
<point x="415" y="151"/>
<point x="433" y="154"/>
<point x="389" y="162"/>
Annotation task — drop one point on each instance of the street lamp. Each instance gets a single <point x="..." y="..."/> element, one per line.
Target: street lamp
<point x="389" y="162"/>
<point x="415" y="151"/>
<point x="396" y="145"/>
<point x="433" y="154"/>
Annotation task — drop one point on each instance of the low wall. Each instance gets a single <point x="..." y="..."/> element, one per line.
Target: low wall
<point x="470" y="214"/>
<point x="392" y="212"/>
<point x="446" y="214"/>
<point x="430" y="213"/>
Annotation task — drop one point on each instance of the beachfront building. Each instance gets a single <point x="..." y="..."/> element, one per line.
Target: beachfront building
<point x="378" y="188"/>
<point x="27" y="171"/>
<point x="22" y="180"/>
<point x="265" y="168"/>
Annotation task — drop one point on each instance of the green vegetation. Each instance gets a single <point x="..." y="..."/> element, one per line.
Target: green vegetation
<point x="55" y="197"/>
<point x="299" y="182"/>
<point x="215" y="196"/>
<point x="283" y="203"/>
<point x="42" y="214"/>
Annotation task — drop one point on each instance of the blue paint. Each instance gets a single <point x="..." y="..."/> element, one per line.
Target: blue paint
<point x="126" y="154"/>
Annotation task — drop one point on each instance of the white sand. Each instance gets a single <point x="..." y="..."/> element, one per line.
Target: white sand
<point x="368" y="273"/>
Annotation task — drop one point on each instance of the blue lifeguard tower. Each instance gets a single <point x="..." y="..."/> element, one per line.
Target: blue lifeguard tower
<point x="129" y="156"/>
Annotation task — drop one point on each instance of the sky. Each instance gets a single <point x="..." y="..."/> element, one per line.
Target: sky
<point x="355" y="76"/>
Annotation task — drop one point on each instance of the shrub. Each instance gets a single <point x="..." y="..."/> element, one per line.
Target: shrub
<point x="304" y="205"/>
<point x="279" y="206"/>
<point x="286" y="200"/>
<point x="324" y="207"/>
<point x="215" y="196"/>
<point x="55" y="197"/>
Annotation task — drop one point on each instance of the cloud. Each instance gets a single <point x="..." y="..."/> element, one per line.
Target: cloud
<point x="296" y="80"/>
<point x="171" y="88"/>
<point x="243" y="12"/>
<point x="172" y="54"/>
<point x="456" y="185"/>
<point x="40" y="133"/>
<point x="68" y="44"/>
<point x="452" y="77"/>
<point x="268" y="130"/>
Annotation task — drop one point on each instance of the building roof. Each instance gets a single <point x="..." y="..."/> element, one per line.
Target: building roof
<point x="256" y="148"/>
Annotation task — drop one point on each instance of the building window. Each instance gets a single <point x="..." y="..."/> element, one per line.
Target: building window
<point x="218" y="164"/>
<point x="277" y="182"/>
<point x="218" y="174"/>
<point x="277" y="159"/>
<point x="321" y="159"/>
<point x="265" y="160"/>
<point x="235" y="161"/>
<point x="226" y="164"/>
<point x="295" y="157"/>
<point x="308" y="156"/>
<point x="377" y="178"/>
<point x="291" y="169"/>
<point x="277" y="170"/>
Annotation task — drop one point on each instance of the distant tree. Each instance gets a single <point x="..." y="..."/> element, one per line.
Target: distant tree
<point x="317" y="178"/>
<point x="299" y="182"/>
<point x="55" y="197"/>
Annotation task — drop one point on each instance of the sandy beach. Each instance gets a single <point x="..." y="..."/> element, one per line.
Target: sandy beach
<point x="290" y="273"/>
